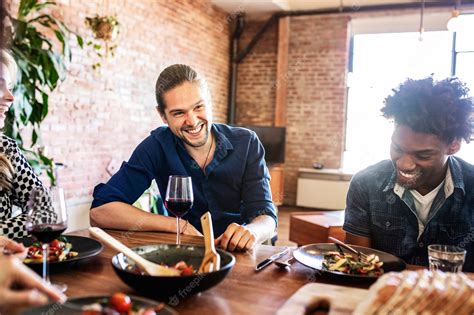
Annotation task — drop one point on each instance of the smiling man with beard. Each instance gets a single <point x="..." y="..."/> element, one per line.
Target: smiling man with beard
<point x="423" y="195"/>
<point x="229" y="175"/>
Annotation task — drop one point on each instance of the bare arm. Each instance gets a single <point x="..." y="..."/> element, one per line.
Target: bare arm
<point x="244" y="237"/>
<point x="263" y="226"/>
<point x="357" y="240"/>
<point x="122" y="216"/>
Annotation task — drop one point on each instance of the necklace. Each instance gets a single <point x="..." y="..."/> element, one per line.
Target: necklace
<point x="207" y="156"/>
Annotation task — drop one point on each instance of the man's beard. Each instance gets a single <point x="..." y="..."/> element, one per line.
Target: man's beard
<point x="410" y="183"/>
<point x="198" y="144"/>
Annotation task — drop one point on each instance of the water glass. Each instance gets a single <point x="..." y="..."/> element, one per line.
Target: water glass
<point x="446" y="258"/>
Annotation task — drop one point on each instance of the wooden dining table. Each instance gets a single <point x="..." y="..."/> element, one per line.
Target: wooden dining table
<point x="243" y="291"/>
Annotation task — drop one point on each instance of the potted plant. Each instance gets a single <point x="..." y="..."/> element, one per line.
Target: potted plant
<point x="105" y="30"/>
<point x="40" y="45"/>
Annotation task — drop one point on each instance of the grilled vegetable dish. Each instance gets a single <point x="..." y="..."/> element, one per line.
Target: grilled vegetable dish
<point x="59" y="250"/>
<point x="346" y="263"/>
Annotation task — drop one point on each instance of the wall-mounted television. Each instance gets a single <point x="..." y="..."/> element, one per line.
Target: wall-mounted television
<point x="273" y="141"/>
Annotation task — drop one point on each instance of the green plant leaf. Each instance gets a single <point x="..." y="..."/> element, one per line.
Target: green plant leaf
<point x="34" y="137"/>
<point x="40" y="6"/>
<point x="26" y="7"/>
<point x="80" y="41"/>
<point x="45" y="107"/>
<point x="34" y="44"/>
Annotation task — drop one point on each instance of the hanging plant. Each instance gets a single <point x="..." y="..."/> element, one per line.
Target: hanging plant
<point x="40" y="46"/>
<point x="105" y="30"/>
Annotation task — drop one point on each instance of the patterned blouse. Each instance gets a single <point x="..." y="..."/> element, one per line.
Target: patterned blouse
<point x="24" y="182"/>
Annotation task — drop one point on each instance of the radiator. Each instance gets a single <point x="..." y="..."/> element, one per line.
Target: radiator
<point x="322" y="189"/>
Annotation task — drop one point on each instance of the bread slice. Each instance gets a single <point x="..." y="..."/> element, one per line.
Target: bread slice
<point x="453" y="285"/>
<point x="435" y="291"/>
<point x="465" y="305"/>
<point x="379" y="294"/>
<point x="420" y="293"/>
<point x="407" y="285"/>
<point x="411" y="297"/>
<point x="441" y="293"/>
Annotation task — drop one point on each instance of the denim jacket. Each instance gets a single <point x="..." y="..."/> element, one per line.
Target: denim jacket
<point x="374" y="210"/>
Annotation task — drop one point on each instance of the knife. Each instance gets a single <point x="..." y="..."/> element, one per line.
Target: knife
<point x="271" y="259"/>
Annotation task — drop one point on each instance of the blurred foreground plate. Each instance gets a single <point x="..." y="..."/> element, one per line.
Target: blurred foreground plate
<point x="58" y="309"/>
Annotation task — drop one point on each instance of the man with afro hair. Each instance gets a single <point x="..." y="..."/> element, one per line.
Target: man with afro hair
<point x="424" y="195"/>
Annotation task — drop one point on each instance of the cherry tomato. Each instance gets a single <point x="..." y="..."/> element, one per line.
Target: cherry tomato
<point x="90" y="313"/>
<point x="181" y="265"/>
<point x="55" y="244"/>
<point x="187" y="271"/>
<point x="120" y="302"/>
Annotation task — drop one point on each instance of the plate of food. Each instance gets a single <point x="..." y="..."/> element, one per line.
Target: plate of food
<point x="332" y="260"/>
<point x="118" y="303"/>
<point x="64" y="250"/>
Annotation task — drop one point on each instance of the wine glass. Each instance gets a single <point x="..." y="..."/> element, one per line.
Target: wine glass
<point x="179" y="199"/>
<point x="46" y="220"/>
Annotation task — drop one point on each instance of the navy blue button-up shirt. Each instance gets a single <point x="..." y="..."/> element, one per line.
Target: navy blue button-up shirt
<point x="374" y="210"/>
<point x="234" y="188"/>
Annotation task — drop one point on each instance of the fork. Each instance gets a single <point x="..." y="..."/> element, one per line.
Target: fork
<point x="362" y="257"/>
<point x="285" y="263"/>
<point x="212" y="260"/>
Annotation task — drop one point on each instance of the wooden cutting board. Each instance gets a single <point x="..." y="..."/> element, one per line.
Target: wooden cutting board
<point x="342" y="300"/>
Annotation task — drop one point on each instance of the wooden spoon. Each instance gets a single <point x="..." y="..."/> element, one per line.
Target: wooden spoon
<point x="149" y="267"/>
<point x="212" y="260"/>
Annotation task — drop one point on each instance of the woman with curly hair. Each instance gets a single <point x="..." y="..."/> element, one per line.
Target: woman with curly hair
<point x="424" y="195"/>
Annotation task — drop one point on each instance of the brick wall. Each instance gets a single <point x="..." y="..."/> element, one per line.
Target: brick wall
<point x="255" y="101"/>
<point x="316" y="95"/>
<point x="316" y="91"/>
<point x="99" y="116"/>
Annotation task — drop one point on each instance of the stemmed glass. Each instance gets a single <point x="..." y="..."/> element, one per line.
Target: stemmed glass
<point x="179" y="199"/>
<point x="46" y="220"/>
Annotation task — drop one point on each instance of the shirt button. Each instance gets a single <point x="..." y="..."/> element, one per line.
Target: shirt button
<point x="387" y="224"/>
<point x="421" y="244"/>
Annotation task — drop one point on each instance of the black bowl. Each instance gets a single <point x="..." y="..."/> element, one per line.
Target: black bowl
<point x="171" y="289"/>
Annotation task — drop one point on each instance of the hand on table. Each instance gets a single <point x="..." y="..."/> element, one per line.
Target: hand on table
<point x="10" y="247"/>
<point x="237" y="237"/>
<point x="20" y="287"/>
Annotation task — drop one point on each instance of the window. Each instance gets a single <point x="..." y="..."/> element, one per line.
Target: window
<point x="380" y="62"/>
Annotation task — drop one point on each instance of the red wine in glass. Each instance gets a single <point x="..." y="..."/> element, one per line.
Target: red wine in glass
<point x="46" y="220"/>
<point x="46" y="233"/>
<point x="179" y="198"/>
<point x="179" y="207"/>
